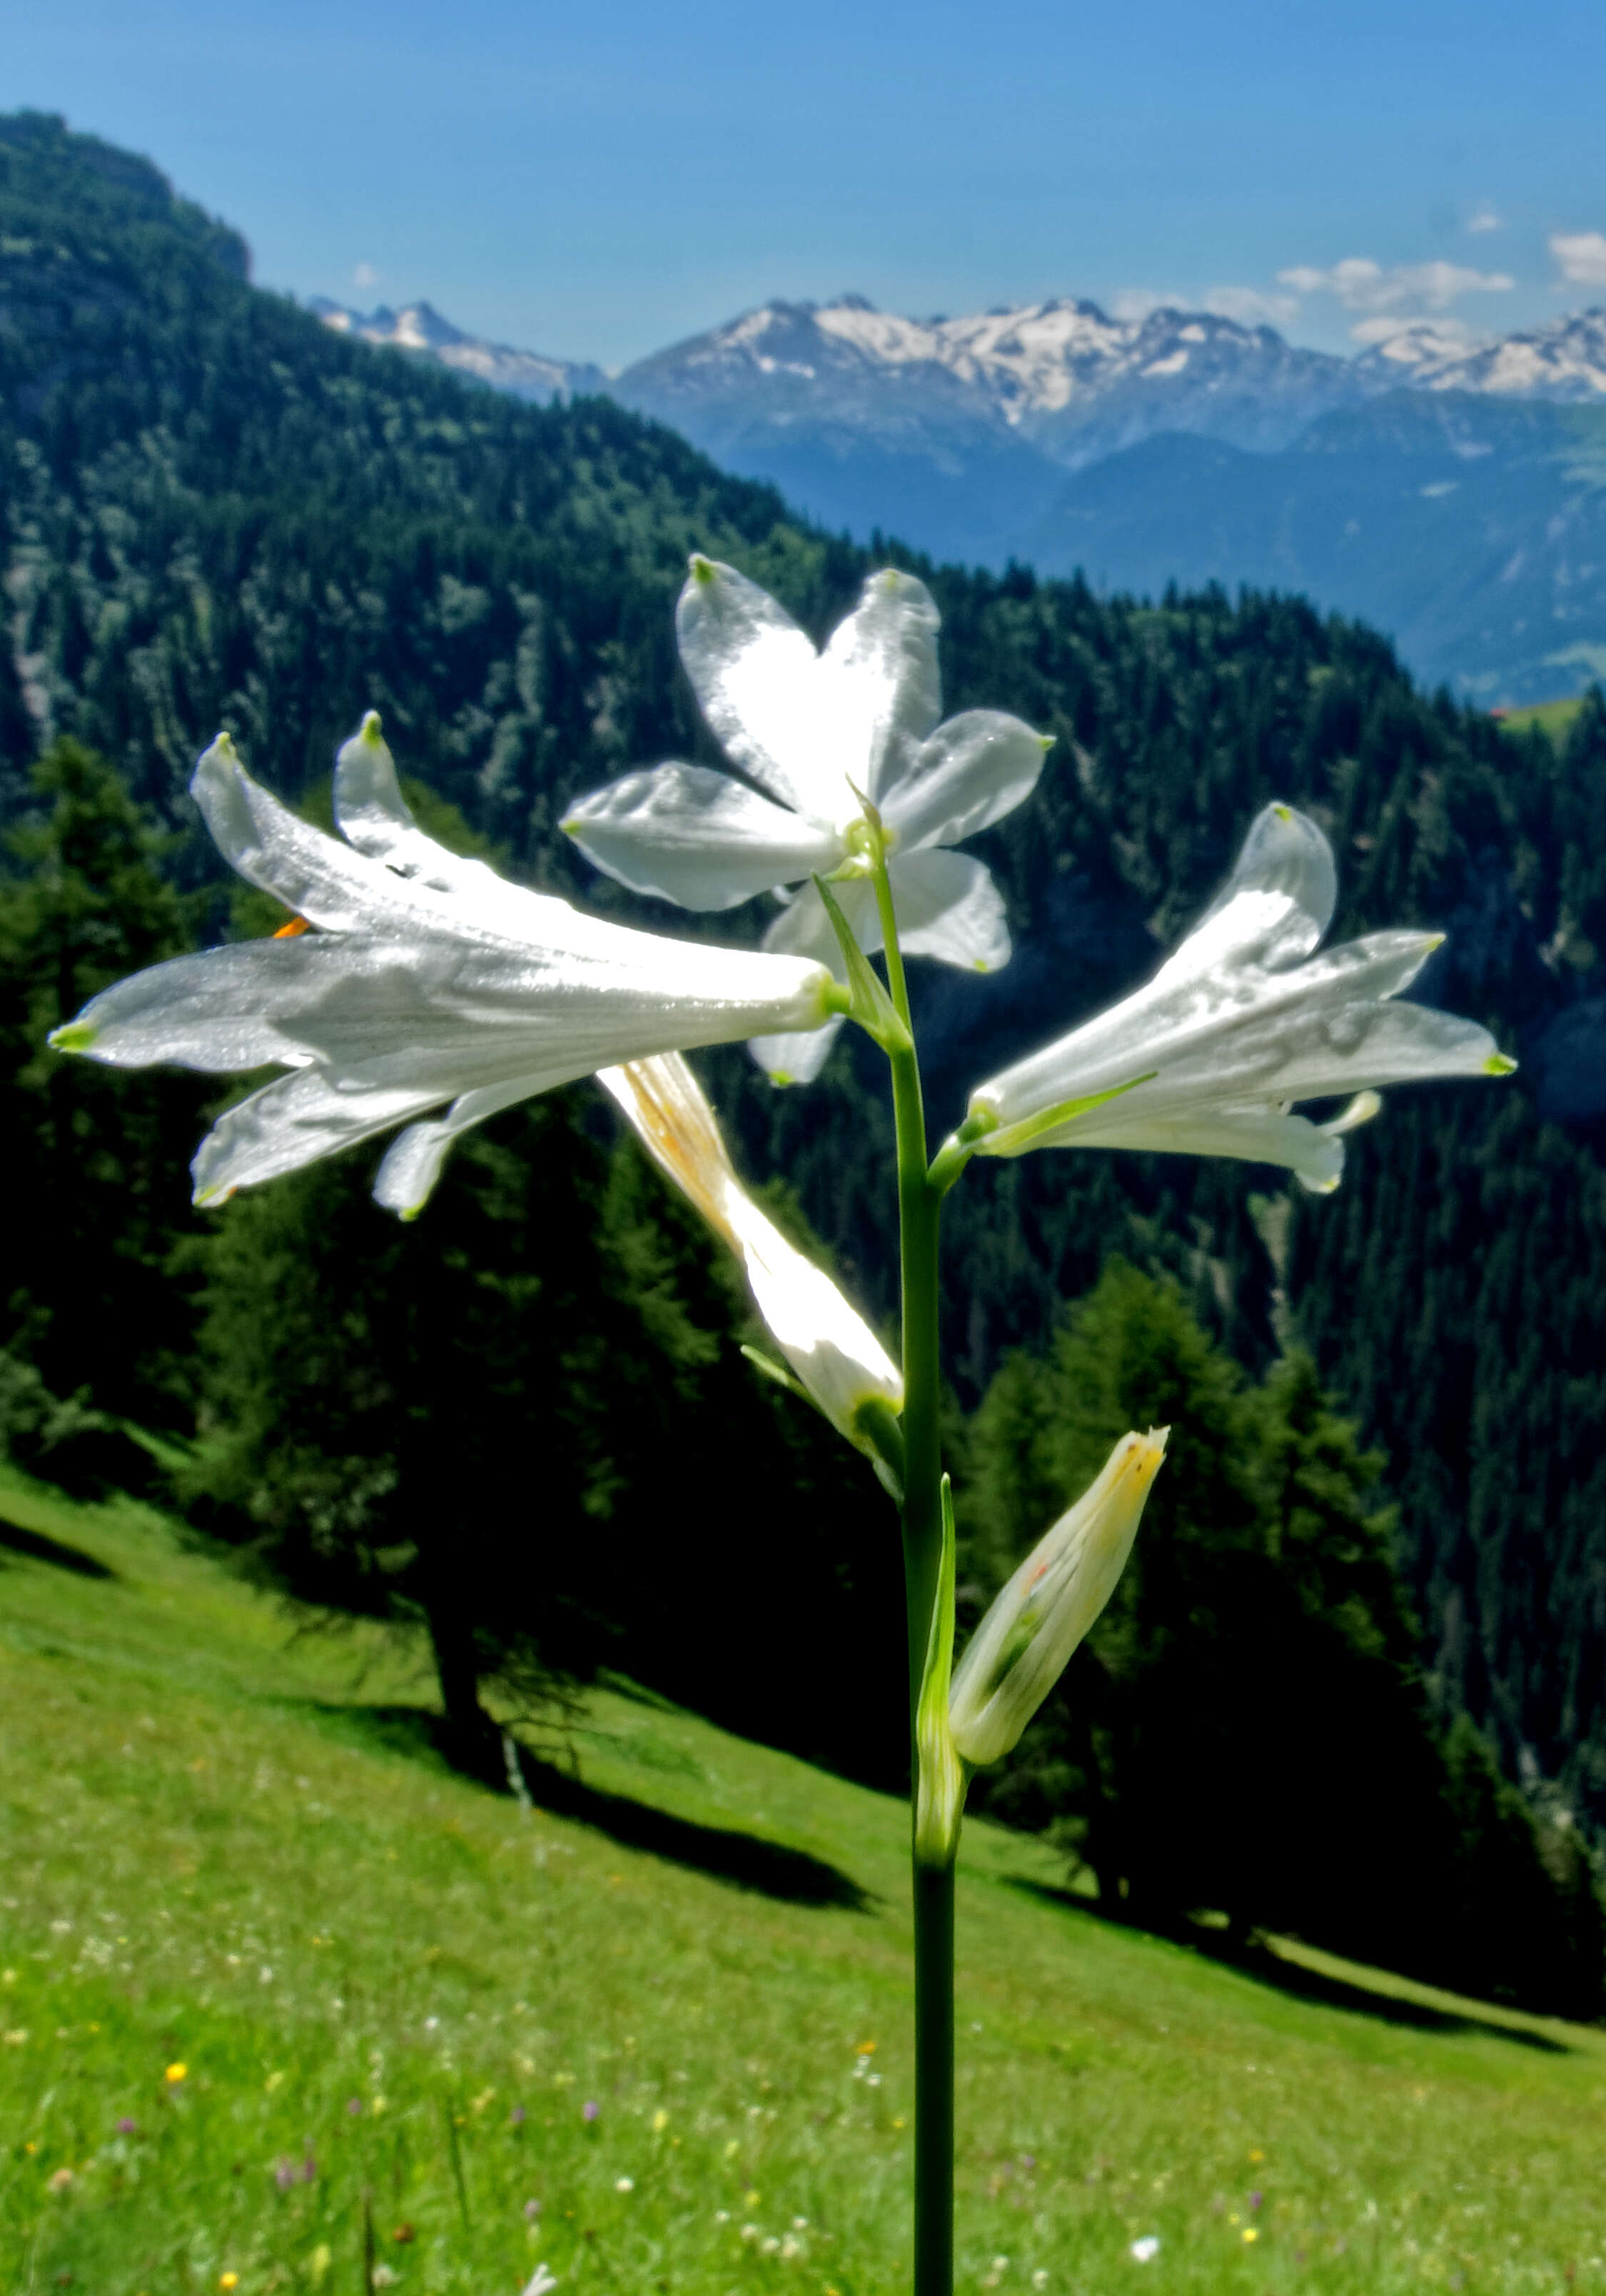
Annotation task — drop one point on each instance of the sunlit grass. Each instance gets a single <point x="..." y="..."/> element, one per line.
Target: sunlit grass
<point x="508" y="2039"/>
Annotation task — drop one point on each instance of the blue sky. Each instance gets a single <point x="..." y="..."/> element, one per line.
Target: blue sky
<point x="602" y="178"/>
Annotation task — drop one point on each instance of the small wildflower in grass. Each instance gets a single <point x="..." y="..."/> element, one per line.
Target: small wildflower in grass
<point x="532" y="2209"/>
<point x="60" y="2181"/>
<point x="1256" y="2153"/>
<point x="660" y="2121"/>
<point x="1145" y="2250"/>
<point x="1254" y="2200"/>
<point x="354" y="2105"/>
<point x="284" y="2174"/>
<point x="589" y="2108"/>
<point x="228" y="2280"/>
<point x="384" y="2276"/>
<point x="541" y="2282"/>
<point x="751" y="2200"/>
<point x="127" y="2128"/>
<point x="799" y="2224"/>
<point x="1039" y="2278"/>
<point x="624" y="2183"/>
<point x="174" y="2074"/>
<point x="404" y="2235"/>
<point x="1249" y="2233"/>
<point x="722" y="2216"/>
<point x="516" y="2117"/>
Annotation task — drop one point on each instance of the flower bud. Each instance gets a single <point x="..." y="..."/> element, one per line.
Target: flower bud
<point x="1024" y="1643"/>
<point x="831" y="1348"/>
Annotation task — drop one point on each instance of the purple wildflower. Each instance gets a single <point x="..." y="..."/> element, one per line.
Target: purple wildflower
<point x="284" y="2174"/>
<point x="1254" y="2200"/>
<point x="517" y="2116"/>
<point x="309" y="2168"/>
<point x="532" y="2209"/>
<point x="127" y="2128"/>
<point x="589" y="2108"/>
<point x="354" y="2105"/>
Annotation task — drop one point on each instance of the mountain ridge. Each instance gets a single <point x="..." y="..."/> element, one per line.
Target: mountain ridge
<point x="1454" y="494"/>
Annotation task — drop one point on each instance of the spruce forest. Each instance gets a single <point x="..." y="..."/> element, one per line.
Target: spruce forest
<point x="1372" y="1584"/>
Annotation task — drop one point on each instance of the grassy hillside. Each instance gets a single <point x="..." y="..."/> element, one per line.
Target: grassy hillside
<point x="264" y="1964"/>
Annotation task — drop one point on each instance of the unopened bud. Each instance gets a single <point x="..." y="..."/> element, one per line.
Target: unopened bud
<point x="1024" y="1643"/>
<point x="832" y="1351"/>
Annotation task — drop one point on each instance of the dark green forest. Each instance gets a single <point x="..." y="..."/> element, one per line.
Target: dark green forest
<point x="216" y="513"/>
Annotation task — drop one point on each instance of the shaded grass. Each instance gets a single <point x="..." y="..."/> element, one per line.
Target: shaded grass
<point x="230" y="1848"/>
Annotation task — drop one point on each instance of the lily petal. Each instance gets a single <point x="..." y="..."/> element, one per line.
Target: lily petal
<point x="969" y="773"/>
<point x="1274" y="908"/>
<point x="413" y="1162"/>
<point x="697" y="837"/>
<point x="948" y="906"/>
<point x="295" y="1121"/>
<point x="753" y="671"/>
<point x="880" y="689"/>
<point x="332" y="885"/>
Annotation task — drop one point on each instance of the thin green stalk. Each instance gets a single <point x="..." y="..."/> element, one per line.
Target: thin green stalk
<point x="919" y="1206"/>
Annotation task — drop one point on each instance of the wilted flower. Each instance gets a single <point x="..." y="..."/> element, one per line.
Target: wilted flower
<point x="429" y="979"/>
<point x="1234" y="1028"/>
<point x="1025" y="1642"/>
<point x="830" y="1347"/>
<point x="821" y="732"/>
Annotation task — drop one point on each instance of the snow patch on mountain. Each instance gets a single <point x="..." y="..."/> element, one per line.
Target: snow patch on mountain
<point x="420" y="327"/>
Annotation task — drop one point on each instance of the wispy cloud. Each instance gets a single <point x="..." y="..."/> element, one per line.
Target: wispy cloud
<point x="1442" y="334"/>
<point x="1485" y="220"/>
<point x="1362" y="285"/>
<point x="1252" y="306"/>
<point x="363" y="274"/>
<point x="1136" y="303"/>
<point x="1582" y="256"/>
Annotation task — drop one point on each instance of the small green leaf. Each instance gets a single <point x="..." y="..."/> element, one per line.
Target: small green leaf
<point x="872" y="1007"/>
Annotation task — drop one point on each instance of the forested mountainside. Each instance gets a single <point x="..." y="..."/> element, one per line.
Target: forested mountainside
<point x="215" y="511"/>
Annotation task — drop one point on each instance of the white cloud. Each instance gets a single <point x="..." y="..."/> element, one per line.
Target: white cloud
<point x="1485" y="220"/>
<point x="1362" y="285"/>
<point x="1136" y="303"/>
<point x="363" y="274"/>
<point x="1251" y="307"/>
<point x="1582" y="256"/>
<point x="1430" y="335"/>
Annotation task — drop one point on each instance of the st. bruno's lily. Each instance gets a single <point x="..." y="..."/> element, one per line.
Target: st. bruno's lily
<point x="831" y="1348"/>
<point x="426" y="979"/>
<point x="1025" y="1642"/>
<point x="1243" y="1021"/>
<point x="821" y="733"/>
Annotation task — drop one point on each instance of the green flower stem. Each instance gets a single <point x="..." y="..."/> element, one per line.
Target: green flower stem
<point x="919" y="1206"/>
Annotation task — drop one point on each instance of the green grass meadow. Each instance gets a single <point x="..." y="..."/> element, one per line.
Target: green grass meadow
<point x="286" y="2006"/>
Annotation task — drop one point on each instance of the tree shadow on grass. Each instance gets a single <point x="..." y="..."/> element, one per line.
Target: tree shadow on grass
<point x="746" y="1861"/>
<point x="1264" y="1965"/>
<point x="40" y="1548"/>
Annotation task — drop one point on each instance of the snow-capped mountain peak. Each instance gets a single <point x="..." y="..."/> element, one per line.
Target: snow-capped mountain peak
<point x="420" y="327"/>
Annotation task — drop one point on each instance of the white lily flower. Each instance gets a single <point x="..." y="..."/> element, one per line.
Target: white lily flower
<point x="828" y="1344"/>
<point x="821" y="732"/>
<point x="1024" y="1643"/>
<point x="429" y="979"/>
<point x="1240" y="1023"/>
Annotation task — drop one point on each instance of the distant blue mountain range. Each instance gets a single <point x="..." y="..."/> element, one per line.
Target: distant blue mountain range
<point x="1455" y="494"/>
